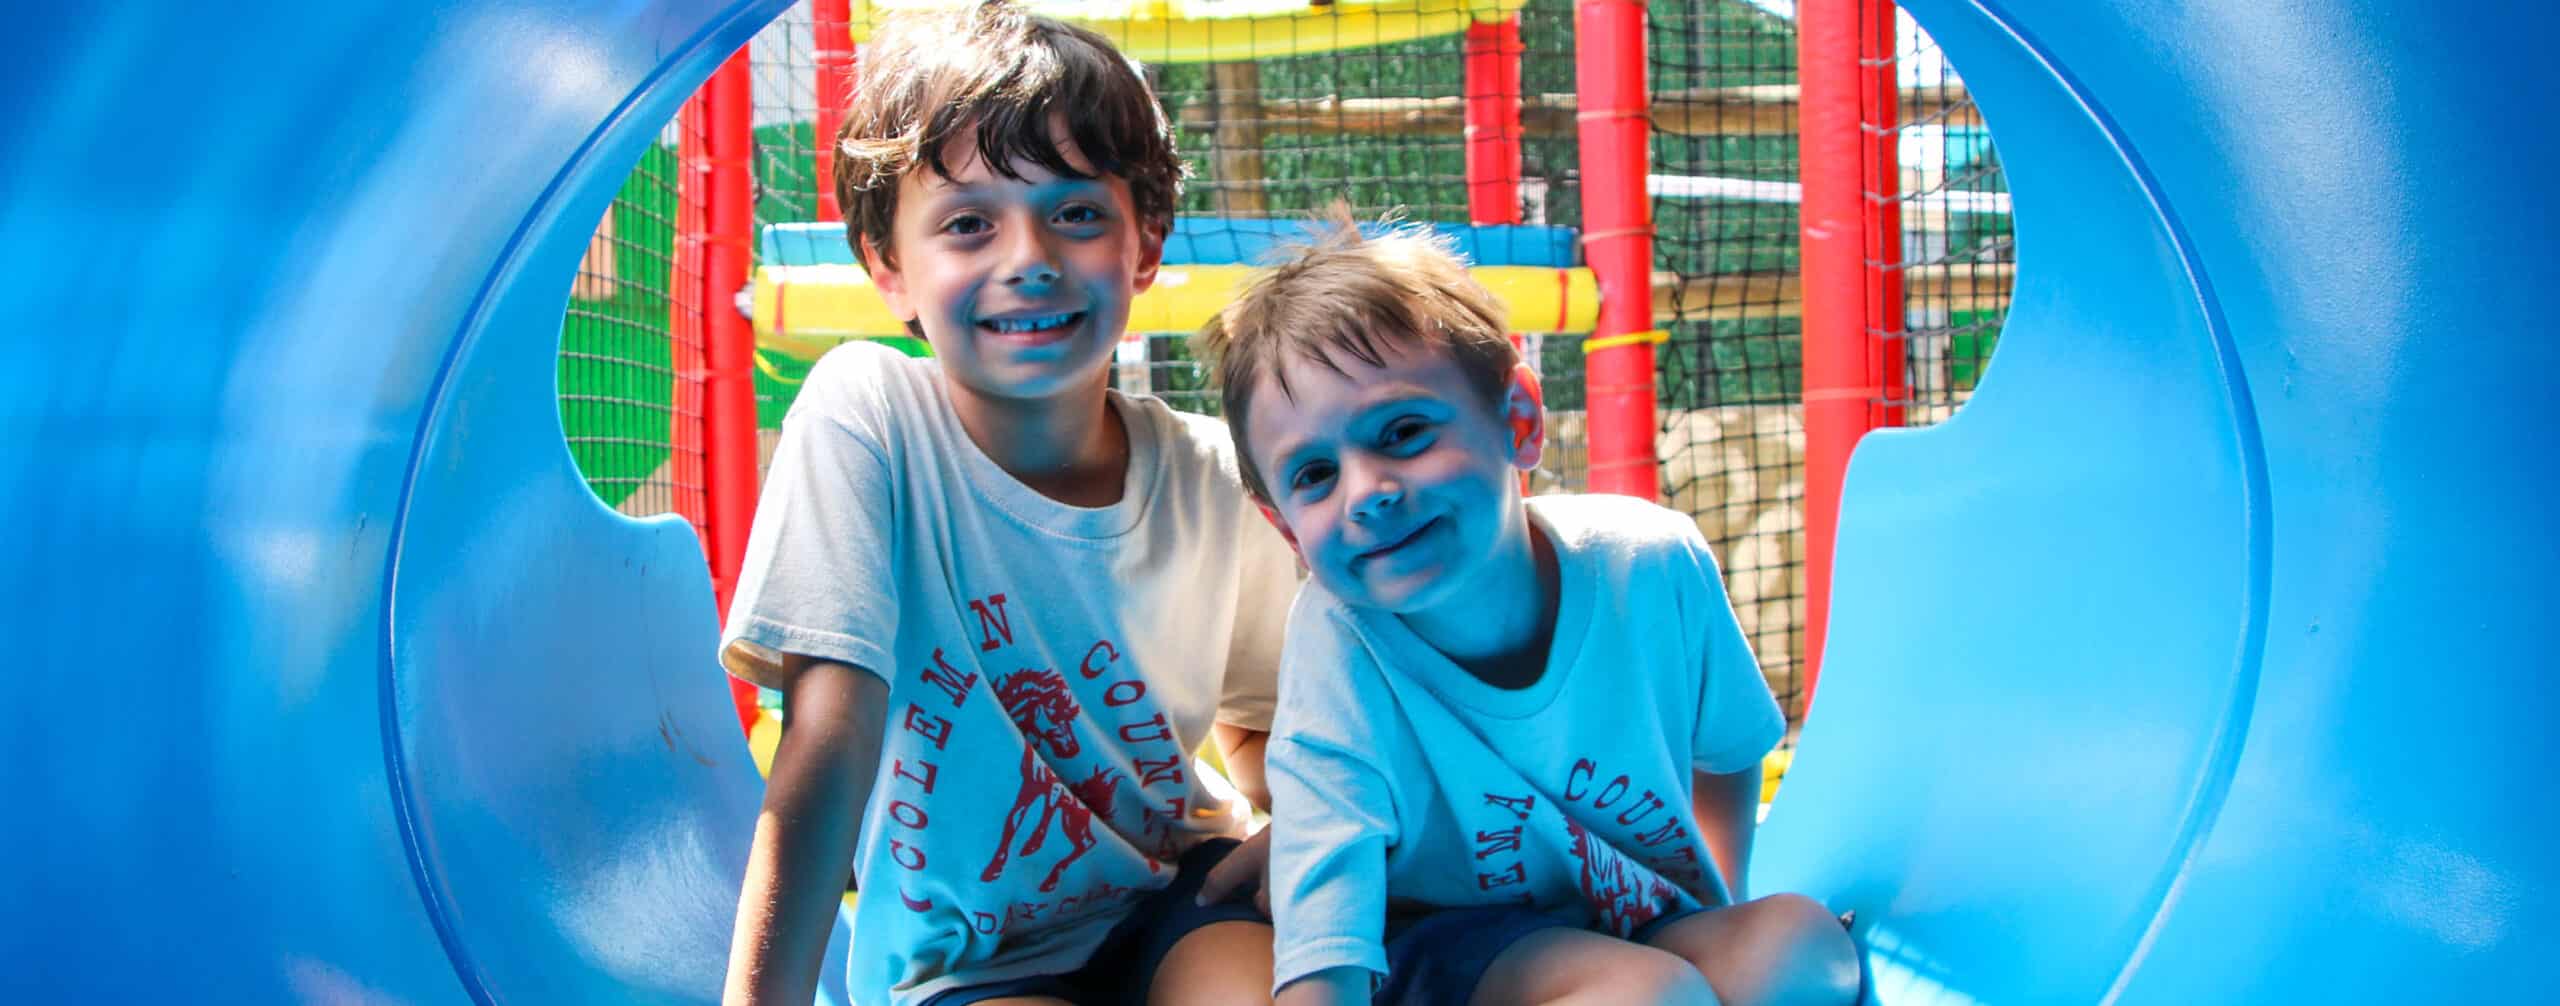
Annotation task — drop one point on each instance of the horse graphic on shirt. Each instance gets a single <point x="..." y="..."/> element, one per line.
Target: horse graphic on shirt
<point x="1623" y="895"/>
<point x="1046" y="713"/>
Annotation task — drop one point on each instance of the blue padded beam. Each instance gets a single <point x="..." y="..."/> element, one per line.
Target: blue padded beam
<point x="1222" y="241"/>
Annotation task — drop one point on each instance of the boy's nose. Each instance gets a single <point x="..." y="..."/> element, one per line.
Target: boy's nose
<point x="1373" y="496"/>
<point x="1029" y="262"/>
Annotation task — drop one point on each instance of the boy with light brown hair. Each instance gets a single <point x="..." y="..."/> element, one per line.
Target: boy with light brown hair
<point x="1517" y="753"/>
<point x="1004" y="603"/>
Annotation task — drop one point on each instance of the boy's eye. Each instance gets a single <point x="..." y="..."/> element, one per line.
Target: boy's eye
<point x="1079" y="214"/>
<point x="1311" y="475"/>
<point x="1403" y="432"/>
<point x="966" y="224"/>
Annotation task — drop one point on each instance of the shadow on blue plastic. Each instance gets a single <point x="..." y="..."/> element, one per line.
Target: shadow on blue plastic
<point x="552" y="707"/>
<point x="2124" y="410"/>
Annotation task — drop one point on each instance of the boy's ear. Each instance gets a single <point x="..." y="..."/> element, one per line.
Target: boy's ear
<point x="1278" y="525"/>
<point x="1150" y="258"/>
<point x="885" y="277"/>
<point x="1524" y="413"/>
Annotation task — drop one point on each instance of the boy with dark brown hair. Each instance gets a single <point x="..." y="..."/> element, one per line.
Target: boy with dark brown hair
<point x="1004" y="602"/>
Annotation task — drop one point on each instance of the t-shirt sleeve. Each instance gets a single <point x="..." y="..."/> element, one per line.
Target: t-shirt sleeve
<point x="1333" y="813"/>
<point x="1738" y="720"/>
<point x="1267" y="574"/>
<point x="815" y="577"/>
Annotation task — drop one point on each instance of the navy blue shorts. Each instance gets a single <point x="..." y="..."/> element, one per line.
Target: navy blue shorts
<point x="1437" y="959"/>
<point x="1122" y="968"/>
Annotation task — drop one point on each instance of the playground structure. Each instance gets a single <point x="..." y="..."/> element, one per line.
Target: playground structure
<point x="1467" y="119"/>
<point x="417" y="720"/>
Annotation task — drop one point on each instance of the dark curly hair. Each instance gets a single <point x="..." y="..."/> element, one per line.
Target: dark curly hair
<point x="1002" y="76"/>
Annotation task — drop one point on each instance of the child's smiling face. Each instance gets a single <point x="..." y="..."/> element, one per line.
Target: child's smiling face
<point x="1023" y="284"/>
<point x="1395" y="482"/>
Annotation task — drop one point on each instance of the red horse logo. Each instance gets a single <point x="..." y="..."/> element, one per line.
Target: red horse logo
<point x="1043" y="710"/>
<point x="1622" y="895"/>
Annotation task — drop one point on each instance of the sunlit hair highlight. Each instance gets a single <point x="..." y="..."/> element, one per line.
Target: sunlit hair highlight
<point x="1348" y="295"/>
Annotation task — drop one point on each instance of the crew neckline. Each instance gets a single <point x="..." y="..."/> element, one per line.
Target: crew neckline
<point x="1028" y="506"/>
<point x="1456" y="686"/>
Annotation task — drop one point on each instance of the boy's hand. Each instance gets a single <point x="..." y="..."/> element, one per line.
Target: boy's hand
<point x="1250" y="863"/>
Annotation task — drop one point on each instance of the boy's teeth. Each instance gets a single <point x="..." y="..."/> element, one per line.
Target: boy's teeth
<point x="1030" y="324"/>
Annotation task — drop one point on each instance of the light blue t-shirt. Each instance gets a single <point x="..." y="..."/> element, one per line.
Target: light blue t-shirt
<point x="1400" y="783"/>
<point x="1051" y="668"/>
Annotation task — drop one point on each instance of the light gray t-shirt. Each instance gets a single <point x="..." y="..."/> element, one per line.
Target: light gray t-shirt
<point x="1051" y="668"/>
<point x="1401" y="782"/>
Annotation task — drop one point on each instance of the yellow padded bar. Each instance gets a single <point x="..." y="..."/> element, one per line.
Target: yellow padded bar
<point x="802" y="311"/>
<point x="1203" y="31"/>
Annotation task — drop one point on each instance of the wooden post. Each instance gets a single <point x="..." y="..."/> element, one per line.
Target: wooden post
<point x="1235" y="144"/>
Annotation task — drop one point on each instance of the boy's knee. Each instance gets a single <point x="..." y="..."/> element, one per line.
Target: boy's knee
<point x="1220" y="964"/>
<point x="1797" y="913"/>
<point x="1655" y="979"/>
<point x="1822" y="962"/>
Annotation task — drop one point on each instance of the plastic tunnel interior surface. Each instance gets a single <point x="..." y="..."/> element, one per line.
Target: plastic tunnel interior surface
<point x="332" y="683"/>
<point x="2200" y="658"/>
<point x="406" y="714"/>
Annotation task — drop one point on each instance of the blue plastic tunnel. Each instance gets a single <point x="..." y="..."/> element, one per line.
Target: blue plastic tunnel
<point x="330" y="682"/>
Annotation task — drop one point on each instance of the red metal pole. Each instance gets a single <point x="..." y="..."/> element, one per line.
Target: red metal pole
<point x="729" y="416"/>
<point x="1853" y="376"/>
<point x="1492" y="90"/>
<point x="1836" y="391"/>
<point x="1882" y="119"/>
<point x="832" y="22"/>
<point x="1493" y="121"/>
<point x="1617" y="240"/>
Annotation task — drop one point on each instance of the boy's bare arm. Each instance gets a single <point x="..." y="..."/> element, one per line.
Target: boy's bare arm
<point x="1728" y="809"/>
<point x="803" y="847"/>
<point x="1241" y="750"/>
